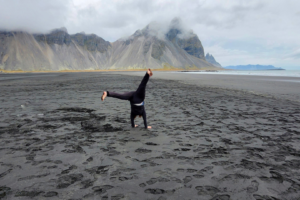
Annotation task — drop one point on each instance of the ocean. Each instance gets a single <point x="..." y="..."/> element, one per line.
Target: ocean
<point x="287" y="73"/>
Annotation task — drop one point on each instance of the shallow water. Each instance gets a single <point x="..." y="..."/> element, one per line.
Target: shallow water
<point x="287" y="73"/>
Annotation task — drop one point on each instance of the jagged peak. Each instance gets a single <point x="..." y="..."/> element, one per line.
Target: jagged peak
<point x="209" y="58"/>
<point x="80" y="33"/>
<point x="209" y="55"/>
<point x="62" y="29"/>
<point x="92" y="35"/>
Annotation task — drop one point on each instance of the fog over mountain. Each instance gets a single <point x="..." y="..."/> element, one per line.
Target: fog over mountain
<point x="172" y="47"/>
<point x="155" y="46"/>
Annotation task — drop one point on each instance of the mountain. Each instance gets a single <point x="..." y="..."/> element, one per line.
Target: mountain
<point x="152" y="47"/>
<point x="209" y="58"/>
<point x="253" y="67"/>
<point x="54" y="51"/>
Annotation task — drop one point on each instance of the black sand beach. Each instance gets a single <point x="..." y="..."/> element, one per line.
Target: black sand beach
<point x="58" y="140"/>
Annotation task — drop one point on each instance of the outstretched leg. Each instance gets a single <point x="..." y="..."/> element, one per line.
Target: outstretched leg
<point x="124" y="96"/>
<point x="104" y="95"/>
<point x="141" y="91"/>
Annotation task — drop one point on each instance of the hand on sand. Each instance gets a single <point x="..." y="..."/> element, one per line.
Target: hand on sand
<point x="149" y="72"/>
<point x="149" y="127"/>
<point x="104" y="95"/>
<point x="136" y="126"/>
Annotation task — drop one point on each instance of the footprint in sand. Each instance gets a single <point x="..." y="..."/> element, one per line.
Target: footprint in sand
<point x="253" y="187"/>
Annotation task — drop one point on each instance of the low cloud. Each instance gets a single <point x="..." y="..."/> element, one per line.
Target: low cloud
<point x="33" y="15"/>
<point x="185" y="32"/>
<point x="294" y="55"/>
<point x="160" y="29"/>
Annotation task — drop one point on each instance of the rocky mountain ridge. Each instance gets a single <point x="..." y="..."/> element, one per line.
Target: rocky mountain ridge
<point x="209" y="58"/>
<point x="60" y="36"/>
<point x="59" y="50"/>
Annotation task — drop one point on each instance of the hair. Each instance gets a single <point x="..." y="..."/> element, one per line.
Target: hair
<point x="138" y="115"/>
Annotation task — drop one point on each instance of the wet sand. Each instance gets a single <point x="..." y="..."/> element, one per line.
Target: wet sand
<point x="211" y="139"/>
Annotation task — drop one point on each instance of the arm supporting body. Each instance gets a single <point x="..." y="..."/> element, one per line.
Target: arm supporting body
<point x="133" y="115"/>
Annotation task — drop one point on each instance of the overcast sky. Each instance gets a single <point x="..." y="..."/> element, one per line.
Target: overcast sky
<point x="235" y="32"/>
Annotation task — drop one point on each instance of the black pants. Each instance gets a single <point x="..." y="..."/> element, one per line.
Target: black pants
<point x="135" y="97"/>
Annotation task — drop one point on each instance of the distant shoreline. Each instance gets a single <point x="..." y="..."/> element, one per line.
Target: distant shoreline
<point x="253" y="67"/>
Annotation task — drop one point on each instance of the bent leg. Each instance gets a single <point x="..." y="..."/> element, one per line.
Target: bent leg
<point x="124" y="96"/>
